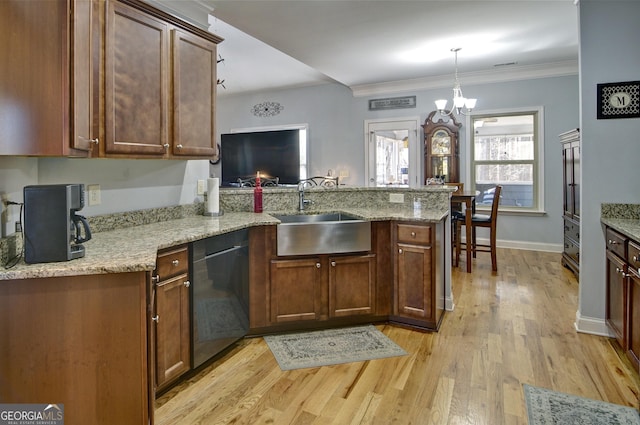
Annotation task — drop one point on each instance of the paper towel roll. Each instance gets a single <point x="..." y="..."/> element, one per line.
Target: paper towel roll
<point x="213" y="195"/>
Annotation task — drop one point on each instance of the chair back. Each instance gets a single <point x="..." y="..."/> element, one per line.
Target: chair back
<point x="495" y="203"/>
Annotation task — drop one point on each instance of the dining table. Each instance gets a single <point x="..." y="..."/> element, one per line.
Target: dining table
<point x="468" y="199"/>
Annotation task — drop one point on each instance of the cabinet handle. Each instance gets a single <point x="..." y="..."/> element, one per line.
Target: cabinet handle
<point x="413" y="234"/>
<point x="333" y="264"/>
<point x="400" y="251"/>
<point x="635" y="259"/>
<point x="611" y="242"/>
<point x="156" y="318"/>
<point x="317" y="265"/>
<point x="166" y="146"/>
<point x="187" y="283"/>
<point x="619" y="270"/>
<point x="179" y="146"/>
<point x="175" y="262"/>
<point x="155" y="279"/>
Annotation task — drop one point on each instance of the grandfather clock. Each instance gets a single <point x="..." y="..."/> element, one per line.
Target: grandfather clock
<point x="441" y="153"/>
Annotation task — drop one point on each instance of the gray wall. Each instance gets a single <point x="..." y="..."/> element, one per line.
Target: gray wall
<point x="609" y="33"/>
<point x="336" y="131"/>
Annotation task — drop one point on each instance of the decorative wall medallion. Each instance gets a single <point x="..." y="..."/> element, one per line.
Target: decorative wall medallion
<point x="619" y="100"/>
<point x="266" y="109"/>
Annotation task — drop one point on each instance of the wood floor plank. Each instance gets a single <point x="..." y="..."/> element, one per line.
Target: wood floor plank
<point x="508" y="328"/>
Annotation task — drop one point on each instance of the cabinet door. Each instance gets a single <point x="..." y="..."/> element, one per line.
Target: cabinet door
<point x="352" y="285"/>
<point x="136" y="78"/>
<point x="194" y="94"/>
<point x="295" y="290"/>
<point x="83" y="35"/>
<point x="575" y="184"/>
<point x="633" y="318"/>
<point x="45" y="84"/>
<point x="414" y="291"/>
<point x="172" y="329"/>
<point x="616" y="297"/>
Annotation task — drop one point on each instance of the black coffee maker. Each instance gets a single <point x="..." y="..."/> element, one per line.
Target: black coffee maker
<point x="53" y="231"/>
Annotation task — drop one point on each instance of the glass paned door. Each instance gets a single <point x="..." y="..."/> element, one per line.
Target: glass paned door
<point x="392" y="154"/>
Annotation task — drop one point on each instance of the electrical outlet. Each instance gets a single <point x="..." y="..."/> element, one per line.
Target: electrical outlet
<point x="344" y="173"/>
<point x="202" y="187"/>
<point x="396" y="198"/>
<point x="94" y="194"/>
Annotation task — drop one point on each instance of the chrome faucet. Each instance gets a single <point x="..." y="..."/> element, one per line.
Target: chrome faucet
<point x="301" y="201"/>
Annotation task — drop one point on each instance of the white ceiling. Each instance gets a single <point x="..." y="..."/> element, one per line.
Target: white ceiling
<point x="380" y="46"/>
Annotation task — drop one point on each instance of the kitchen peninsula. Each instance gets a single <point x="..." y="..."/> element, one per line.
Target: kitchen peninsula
<point x="81" y="333"/>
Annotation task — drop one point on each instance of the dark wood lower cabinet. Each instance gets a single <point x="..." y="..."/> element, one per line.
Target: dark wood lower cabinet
<point x="322" y="287"/>
<point x="295" y="290"/>
<point x="80" y="341"/>
<point x="419" y="281"/>
<point x="616" y="297"/>
<point x="623" y="292"/>
<point x="634" y="319"/>
<point x="171" y="319"/>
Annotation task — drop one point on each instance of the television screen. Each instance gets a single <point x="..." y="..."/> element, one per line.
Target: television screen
<point x="272" y="153"/>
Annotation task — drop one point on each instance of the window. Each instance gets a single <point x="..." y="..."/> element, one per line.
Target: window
<point x="506" y="149"/>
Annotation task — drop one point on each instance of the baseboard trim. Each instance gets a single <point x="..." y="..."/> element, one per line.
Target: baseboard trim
<point x="592" y="325"/>
<point x="528" y="246"/>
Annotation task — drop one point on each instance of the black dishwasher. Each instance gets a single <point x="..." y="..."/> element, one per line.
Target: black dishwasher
<point x="220" y="293"/>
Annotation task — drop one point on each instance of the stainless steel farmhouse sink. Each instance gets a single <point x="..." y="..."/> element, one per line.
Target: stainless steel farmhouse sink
<point x="332" y="233"/>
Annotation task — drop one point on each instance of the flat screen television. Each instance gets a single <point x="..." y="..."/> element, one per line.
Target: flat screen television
<point x="272" y="153"/>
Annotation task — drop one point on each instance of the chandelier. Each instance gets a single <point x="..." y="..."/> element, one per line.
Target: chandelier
<point x="459" y="101"/>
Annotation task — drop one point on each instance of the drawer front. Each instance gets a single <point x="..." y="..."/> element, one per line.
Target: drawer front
<point x="572" y="249"/>
<point x="571" y="230"/>
<point x="410" y="233"/>
<point x="634" y="256"/>
<point x="617" y="243"/>
<point x="172" y="262"/>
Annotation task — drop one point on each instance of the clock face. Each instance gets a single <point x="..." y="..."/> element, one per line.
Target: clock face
<point x="620" y="100"/>
<point x="441" y="143"/>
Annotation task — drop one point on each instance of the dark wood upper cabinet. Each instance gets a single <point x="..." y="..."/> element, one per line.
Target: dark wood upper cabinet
<point x="194" y="95"/>
<point x="107" y="78"/>
<point x="46" y="77"/>
<point x="160" y="84"/>
<point x="136" y="79"/>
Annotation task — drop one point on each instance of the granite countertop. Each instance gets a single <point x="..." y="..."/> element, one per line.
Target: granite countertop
<point x="626" y="226"/>
<point x="134" y="249"/>
<point x="625" y="218"/>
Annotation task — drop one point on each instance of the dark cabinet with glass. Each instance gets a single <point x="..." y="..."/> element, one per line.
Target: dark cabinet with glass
<point x="441" y="153"/>
<point x="571" y="199"/>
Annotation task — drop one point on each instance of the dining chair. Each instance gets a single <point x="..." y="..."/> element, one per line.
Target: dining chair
<point x="481" y="220"/>
<point x="456" y="211"/>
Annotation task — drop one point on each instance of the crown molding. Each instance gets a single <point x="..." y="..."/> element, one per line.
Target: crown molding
<point x="513" y="73"/>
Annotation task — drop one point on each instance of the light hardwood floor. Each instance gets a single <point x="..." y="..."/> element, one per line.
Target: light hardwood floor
<point x="511" y="328"/>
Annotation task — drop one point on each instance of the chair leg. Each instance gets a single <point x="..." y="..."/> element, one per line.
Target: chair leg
<point x="458" y="241"/>
<point x="454" y="241"/>
<point x="494" y="260"/>
<point x="473" y="237"/>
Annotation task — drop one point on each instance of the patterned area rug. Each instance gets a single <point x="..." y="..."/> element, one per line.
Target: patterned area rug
<point x="332" y="346"/>
<point x="546" y="407"/>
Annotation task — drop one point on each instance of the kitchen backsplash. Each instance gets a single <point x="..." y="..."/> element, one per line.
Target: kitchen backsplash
<point x="623" y="211"/>
<point x="241" y="200"/>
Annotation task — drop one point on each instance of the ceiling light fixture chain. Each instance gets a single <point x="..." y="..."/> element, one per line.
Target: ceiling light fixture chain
<point x="459" y="101"/>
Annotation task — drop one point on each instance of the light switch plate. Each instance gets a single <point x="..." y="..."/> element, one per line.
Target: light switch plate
<point x="93" y="191"/>
<point x="202" y="187"/>
<point x="396" y="198"/>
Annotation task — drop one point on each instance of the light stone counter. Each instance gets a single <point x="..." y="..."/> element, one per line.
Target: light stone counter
<point x="625" y="218"/>
<point x="134" y="249"/>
